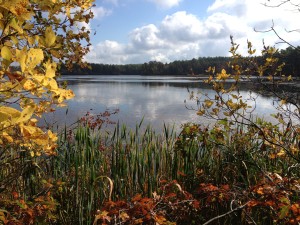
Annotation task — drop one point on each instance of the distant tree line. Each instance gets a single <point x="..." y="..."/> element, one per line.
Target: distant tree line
<point x="178" y="67"/>
<point x="290" y="56"/>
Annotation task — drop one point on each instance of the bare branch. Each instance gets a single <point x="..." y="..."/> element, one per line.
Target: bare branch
<point x="277" y="5"/>
<point x="281" y="4"/>
<point x="272" y="29"/>
<point x="226" y="214"/>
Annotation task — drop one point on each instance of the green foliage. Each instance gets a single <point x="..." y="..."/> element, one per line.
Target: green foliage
<point x="178" y="67"/>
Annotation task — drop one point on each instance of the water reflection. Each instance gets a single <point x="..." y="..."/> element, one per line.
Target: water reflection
<point x="158" y="99"/>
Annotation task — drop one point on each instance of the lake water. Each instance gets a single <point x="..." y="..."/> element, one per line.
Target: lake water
<point x="157" y="99"/>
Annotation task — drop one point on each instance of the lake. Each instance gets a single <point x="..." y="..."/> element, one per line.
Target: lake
<point x="157" y="99"/>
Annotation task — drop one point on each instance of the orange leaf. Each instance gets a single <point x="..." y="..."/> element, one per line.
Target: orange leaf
<point x="225" y="187"/>
<point x="138" y="221"/>
<point x="160" y="219"/>
<point x="137" y="197"/>
<point x="260" y="191"/>
<point x="15" y="195"/>
<point x="295" y="209"/>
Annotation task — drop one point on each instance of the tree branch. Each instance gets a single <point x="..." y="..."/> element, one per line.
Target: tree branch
<point x="226" y="214"/>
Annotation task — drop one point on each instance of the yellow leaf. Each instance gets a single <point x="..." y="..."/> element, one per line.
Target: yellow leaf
<point x="25" y="114"/>
<point x="35" y="135"/>
<point x="281" y="153"/>
<point x="8" y="113"/>
<point x="232" y="105"/>
<point x="160" y="219"/>
<point x="31" y="40"/>
<point x="124" y="217"/>
<point x="2" y="26"/>
<point x="52" y="136"/>
<point x="28" y="130"/>
<point x="87" y="4"/>
<point x="6" y="53"/>
<point x="14" y="40"/>
<point x="35" y="57"/>
<point x="208" y="103"/>
<point x="269" y="59"/>
<point x="21" y="58"/>
<point x="223" y="75"/>
<point x="39" y="78"/>
<point x="67" y="94"/>
<point x="200" y="112"/>
<point x="28" y="26"/>
<point x="50" y="69"/>
<point x="234" y="96"/>
<point x="18" y="8"/>
<point x="55" y="53"/>
<point x="52" y="85"/>
<point x="29" y="85"/>
<point x="50" y="37"/>
<point x="68" y="12"/>
<point x="7" y="137"/>
<point x="13" y="23"/>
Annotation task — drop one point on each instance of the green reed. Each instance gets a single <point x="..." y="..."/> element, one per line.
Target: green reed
<point x="94" y="166"/>
<point x="136" y="160"/>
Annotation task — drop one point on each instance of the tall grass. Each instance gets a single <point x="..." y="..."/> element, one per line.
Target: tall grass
<point x="135" y="160"/>
<point x="93" y="166"/>
<point x="140" y="160"/>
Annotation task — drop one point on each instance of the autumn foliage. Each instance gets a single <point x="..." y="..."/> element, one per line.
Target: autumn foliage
<point x="37" y="36"/>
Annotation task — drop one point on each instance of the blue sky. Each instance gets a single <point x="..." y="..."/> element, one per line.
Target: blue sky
<point x="138" y="31"/>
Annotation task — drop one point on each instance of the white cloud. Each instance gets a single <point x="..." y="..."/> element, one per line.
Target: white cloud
<point x="165" y="3"/>
<point x="182" y="35"/>
<point x="181" y="26"/>
<point x="100" y="12"/>
<point x="231" y="7"/>
<point x="146" y="37"/>
<point x="109" y="52"/>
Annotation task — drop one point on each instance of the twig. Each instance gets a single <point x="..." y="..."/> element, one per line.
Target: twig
<point x="225" y="214"/>
<point x="272" y="29"/>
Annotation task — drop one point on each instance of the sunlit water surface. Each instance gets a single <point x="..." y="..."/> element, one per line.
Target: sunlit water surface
<point x="157" y="99"/>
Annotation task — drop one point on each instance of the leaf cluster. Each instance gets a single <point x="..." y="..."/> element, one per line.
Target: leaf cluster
<point x="37" y="36"/>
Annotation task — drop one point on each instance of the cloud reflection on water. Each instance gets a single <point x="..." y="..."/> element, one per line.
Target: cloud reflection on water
<point x="159" y="100"/>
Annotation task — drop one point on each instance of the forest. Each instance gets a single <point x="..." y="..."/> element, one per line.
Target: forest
<point x="290" y="56"/>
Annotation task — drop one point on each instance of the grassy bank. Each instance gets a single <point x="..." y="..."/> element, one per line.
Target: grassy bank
<point x="142" y="177"/>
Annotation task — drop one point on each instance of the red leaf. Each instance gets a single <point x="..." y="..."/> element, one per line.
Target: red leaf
<point x="15" y="195"/>
<point x="226" y="187"/>
<point x="136" y="198"/>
